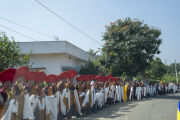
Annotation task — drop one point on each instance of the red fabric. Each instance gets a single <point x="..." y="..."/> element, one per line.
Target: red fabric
<point x="21" y="72"/>
<point x="7" y="75"/>
<point x="114" y="79"/>
<point x="72" y="73"/>
<point x="109" y="77"/>
<point x="82" y="78"/>
<point x="41" y="76"/>
<point x="98" y="76"/>
<point x="92" y="77"/>
<point x="85" y="77"/>
<point x="101" y="78"/>
<point x="51" y="78"/>
<point x="59" y="77"/>
<point x="31" y="76"/>
<point x="64" y="75"/>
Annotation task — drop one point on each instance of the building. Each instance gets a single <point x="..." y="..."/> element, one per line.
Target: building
<point x="54" y="57"/>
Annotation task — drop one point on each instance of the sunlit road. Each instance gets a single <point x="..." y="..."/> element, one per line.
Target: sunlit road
<point x="157" y="108"/>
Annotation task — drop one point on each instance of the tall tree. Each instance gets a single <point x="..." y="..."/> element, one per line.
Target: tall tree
<point x="91" y="52"/>
<point x="91" y="67"/>
<point x="171" y="68"/>
<point x="130" y="46"/>
<point x="156" y="70"/>
<point x="10" y="55"/>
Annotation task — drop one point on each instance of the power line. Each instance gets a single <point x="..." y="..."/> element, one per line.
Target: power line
<point x="68" y="22"/>
<point x="18" y="33"/>
<point x="26" y="36"/>
<point x="23" y="26"/>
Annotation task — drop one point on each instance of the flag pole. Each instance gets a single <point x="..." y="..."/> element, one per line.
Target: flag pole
<point x="176" y="72"/>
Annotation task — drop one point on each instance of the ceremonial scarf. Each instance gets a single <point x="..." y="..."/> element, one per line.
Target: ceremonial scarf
<point x="68" y="95"/>
<point x="8" y="94"/>
<point x="19" y="86"/>
<point x="63" y="106"/>
<point x="77" y="101"/>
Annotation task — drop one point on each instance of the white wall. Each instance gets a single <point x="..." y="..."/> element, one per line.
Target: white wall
<point x="53" y="47"/>
<point x="54" y="62"/>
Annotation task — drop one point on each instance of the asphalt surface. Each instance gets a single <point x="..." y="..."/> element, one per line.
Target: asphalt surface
<point x="156" y="108"/>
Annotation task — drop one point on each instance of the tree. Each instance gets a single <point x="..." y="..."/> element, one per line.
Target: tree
<point x="170" y="78"/>
<point x="130" y="46"/>
<point x="171" y="68"/>
<point x="10" y="55"/>
<point x="90" y="68"/>
<point x="91" y="52"/>
<point x="156" y="70"/>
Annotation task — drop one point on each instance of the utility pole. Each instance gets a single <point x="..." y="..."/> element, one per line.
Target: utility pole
<point x="176" y="72"/>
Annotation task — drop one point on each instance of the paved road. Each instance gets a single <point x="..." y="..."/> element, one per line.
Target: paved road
<point x="157" y="108"/>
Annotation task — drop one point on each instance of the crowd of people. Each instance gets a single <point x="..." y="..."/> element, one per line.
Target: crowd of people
<point x="33" y="95"/>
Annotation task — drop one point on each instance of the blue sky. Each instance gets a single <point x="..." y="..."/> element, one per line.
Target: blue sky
<point x="91" y="16"/>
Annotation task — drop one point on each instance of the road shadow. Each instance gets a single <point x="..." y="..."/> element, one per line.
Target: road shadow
<point x="111" y="111"/>
<point x="121" y="109"/>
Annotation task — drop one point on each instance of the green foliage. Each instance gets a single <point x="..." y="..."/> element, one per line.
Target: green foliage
<point x="170" y="78"/>
<point x="10" y="55"/>
<point x="171" y="68"/>
<point x="91" y="52"/>
<point x="91" y="67"/>
<point x="156" y="70"/>
<point x="129" y="47"/>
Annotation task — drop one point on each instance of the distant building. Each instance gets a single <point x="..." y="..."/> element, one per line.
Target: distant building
<point x="54" y="57"/>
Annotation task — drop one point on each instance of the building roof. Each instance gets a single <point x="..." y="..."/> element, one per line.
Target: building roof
<point x="49" y="47"/>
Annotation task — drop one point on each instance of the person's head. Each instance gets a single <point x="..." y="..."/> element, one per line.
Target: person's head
<point x="7" y="85"/>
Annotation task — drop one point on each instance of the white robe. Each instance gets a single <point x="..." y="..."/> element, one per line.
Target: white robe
<point x="106" y="91"/>
<point x="51" y="106"/>
<point x="28" y="110"/>
<point x="99" y="98"/>
<point x="86" y="99"/>
<point x="111" y="91"/>
<point x="77" y="101"/>
<point x="122" y="92"/>
<point x="68" y="96"/>
<point x="34" y="102"/>
<point x="63" y="106"/>
<point x="12" y="108"/>
<point x="131" y="93"/>
<point x="138" y="93"/>
<point x="144" y="91"/>
<point x="120" y="96"/>
<point x="92" y="96"/>
<point x="117" y="94"/>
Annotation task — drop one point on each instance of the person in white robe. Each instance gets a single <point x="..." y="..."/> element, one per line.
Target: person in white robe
<point x="131" y="93"/>
<point x="12" y="108"/>
<point x="28" y="110"/>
